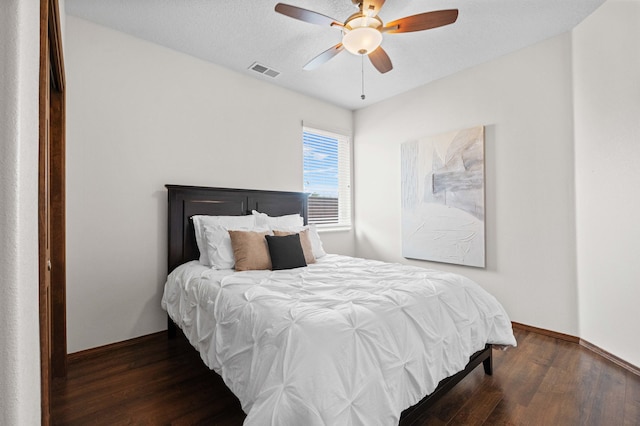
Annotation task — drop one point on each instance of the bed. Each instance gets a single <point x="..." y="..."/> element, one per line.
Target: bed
<point x="340" y="341"/>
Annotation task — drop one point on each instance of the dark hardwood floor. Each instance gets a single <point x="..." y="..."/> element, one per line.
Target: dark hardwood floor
<point x="155" y="381"/>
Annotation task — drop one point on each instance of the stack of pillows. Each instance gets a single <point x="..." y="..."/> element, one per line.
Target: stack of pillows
<point x="256" y="242"/>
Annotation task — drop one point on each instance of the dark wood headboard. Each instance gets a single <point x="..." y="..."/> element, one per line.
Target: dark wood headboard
<point x="186" y="201"/>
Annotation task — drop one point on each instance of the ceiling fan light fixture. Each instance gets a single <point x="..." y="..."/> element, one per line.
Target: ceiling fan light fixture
<point x="362" y="31"/>
<point x="362" y="40"/>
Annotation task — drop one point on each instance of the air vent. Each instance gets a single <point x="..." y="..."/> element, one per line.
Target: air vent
<point x="264" y="70"/>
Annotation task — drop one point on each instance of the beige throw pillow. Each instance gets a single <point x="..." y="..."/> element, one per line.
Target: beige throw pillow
<point x="250" y="250"/>
<point x="305" y="242"/>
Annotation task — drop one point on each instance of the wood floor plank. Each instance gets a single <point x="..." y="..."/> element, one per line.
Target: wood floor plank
<point x="632" y="401"/>
<point x="588" y="370"/>
<point x="609" y="401"/>
<point x="443" y="410"/>
<point x="555" y="401"/>
<point x="507" y="413"/>
<point x="156" y="381"/>
<point x="475" y="411"/>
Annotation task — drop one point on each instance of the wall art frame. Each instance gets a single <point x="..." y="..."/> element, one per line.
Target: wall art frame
<point x="443" y="198"/>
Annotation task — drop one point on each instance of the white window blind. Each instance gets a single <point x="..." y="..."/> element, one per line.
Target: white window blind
<point x="327" y="177"/>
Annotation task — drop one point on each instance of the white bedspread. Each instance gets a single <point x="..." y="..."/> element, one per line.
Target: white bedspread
<point x="345" y="341"/>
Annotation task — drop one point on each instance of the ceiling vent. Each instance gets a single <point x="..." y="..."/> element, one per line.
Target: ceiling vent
<point x="262" y="69"/>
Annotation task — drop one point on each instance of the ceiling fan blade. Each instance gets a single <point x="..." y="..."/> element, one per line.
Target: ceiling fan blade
<point x="380" y="60"/>
<point x="323" y="57"/>
<point x="422" y="21"/>
<point x="306" y="15"/>
<point x="374" y="5"/>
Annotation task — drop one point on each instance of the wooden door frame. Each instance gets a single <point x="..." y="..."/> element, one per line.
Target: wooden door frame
<point x="58" y="196"/>
<point x="51" y="201"/>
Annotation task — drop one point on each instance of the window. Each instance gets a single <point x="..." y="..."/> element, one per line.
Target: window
<point x="327" y="177"/>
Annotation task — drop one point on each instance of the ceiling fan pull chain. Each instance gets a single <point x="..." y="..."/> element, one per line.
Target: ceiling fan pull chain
<point x="362" y="67"/>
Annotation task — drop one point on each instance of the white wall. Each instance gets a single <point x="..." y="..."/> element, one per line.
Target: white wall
<point x="19" y="335"/>
<point x="606" y="49"/>
<point x="524" y="101"/>
<point x="543" y="182"/>
<point x="562" y="155"/>
<point x="141" y="116"/>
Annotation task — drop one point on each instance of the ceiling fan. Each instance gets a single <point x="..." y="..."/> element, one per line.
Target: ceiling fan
<point x="362" y="31"/>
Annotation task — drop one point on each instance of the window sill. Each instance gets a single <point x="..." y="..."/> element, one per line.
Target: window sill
<point x="333" y="228"/>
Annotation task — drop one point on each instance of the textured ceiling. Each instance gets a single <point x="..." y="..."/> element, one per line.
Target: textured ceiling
<point x="237" y="33"/>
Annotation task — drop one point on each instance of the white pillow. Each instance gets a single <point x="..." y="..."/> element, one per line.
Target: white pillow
<point x="316" y="242"/>
<point x="314" y="237"/>
<point x="287" y="221"/>
<point x="218" y="245"/>
<point x="232" y="222"/>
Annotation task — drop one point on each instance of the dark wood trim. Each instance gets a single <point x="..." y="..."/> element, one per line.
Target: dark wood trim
<point x="58" y="231"/>
<point x="102" y="350"/>
<point x="55" y="38"/>
<point x="51" y="205"/>
<point x="43" y="218"/>
<point x="544" y="332"/>
<point x="584" y="343"/>
<point x="611" y="357"/>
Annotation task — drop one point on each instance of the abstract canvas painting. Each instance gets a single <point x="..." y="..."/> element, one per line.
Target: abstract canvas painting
<point x="443" y="198"/>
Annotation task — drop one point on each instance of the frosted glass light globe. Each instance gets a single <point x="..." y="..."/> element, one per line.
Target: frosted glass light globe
<point x="362" y="40"/>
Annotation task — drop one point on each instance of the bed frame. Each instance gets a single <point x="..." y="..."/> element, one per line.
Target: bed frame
<point x="186" y="201"/>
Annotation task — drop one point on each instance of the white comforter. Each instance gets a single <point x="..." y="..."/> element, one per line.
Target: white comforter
<point x="345" y="341"/>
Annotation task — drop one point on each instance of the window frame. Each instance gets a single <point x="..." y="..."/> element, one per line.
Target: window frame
<point x="345" y="184"/>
